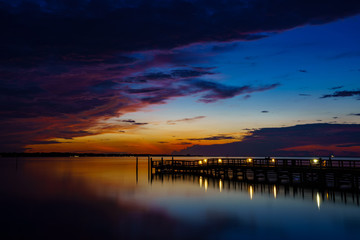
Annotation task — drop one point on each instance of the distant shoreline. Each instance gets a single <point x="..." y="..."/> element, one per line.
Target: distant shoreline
<point x="68" y="154"/>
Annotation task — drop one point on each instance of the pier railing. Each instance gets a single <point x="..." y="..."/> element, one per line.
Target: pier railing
<point x="322" y="173"/>
<point x="314" y="163"/>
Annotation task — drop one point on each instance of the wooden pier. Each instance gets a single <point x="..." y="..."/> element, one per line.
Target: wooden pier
<point x="315" y="172"/>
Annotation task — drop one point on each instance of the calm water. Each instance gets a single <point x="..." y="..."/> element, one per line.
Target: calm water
<point x="104" y="198"/>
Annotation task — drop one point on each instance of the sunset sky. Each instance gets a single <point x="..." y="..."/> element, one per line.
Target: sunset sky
<point x="143" y="76"/>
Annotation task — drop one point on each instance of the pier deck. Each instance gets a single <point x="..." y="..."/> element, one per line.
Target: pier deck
<point x="322" y="173"/>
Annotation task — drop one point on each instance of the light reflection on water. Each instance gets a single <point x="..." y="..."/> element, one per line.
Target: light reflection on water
<point x="194" y="207"/>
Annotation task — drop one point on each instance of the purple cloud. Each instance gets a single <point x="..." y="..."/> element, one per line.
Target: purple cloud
<point x="308" y="138"/>
<point x="171" y="122"/>
<point x="66" y="65"/>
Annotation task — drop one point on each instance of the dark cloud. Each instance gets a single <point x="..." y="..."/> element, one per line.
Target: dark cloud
<point x="133" y="122"/>
<point x="157" y="76"/>
<point x="171" y="122"/>
<point x="304" y="95"/>
<point x="128" y="121"/>
<point x="354" y="114"/>
<point x="46" y="142"/>
<point x="67" y="65"/>
<point x="336" y="87"/>
<point x="186" y="73"/>
<point x="342" y="94"/>
<point x="214" y="138"/>
<point x="302" y="70"/>
<point x="104" y="26"/>
<point x="305" y="140"/>
<point x="220" y="91"/>
<point x="183" y="143"/>
<point x="139" y="124"/>
<point x="172" y="75"/>
<point x="264" y="111"/>
<point x="210" y="91"/>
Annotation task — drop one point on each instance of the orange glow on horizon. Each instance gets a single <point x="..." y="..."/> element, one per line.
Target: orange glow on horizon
<point x="131" y="141"/>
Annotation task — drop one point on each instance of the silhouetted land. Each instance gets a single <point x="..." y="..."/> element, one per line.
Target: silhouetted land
<point x="72" y="154"/>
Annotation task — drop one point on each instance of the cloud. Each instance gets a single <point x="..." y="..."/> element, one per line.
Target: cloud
<point x="336" y="87"/>
<point x="65" y="66"/>
<point x="214" y="138"/>
<point x="349" y="145"/>
<point x="300" y="140"/>
<point x="354" y="114"/>
<point x="171" y="122"/>
<point x="103" y="26"/>
<point x="183" y="143"/>
<point x="132" y="122"/>
<point x="185" y="85"/>
<point x="302" y="70"/>
<point x="264" y="111"/>
<point x="172" y="75"/>
<point x="219" y="91"/>
<point x="342" y="94"/>
<point x="304" y="95"/>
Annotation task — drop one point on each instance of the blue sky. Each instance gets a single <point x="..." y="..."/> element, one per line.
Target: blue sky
<point x="159" y="76"/>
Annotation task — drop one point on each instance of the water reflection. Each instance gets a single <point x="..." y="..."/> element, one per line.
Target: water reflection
<point x="318" y="201"/>
<point x="264" y="189"/>
<point x="251" y="192"/>
<point x="275" y="191"/>
<point x="112" y="199"/>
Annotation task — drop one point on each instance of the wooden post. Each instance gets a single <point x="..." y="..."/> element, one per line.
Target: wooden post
<point x="149" y="168"/>
<point x="137" y="171"/>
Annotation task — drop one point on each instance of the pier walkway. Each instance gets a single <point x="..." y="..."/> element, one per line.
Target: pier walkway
<point x="315" y="172"/>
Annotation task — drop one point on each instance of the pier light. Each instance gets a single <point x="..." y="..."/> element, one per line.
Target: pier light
<point x="205" y="160"/>
<point x="251" y="192"/>
<point x="315" y="161"/>
<point x="249" y="160"/>
<point x="318" y="200"/>
<point x="275" y="192"/>
<point x="200" y="162"/>
<point x="273" y="160"/>
<point x="220" y="161"/>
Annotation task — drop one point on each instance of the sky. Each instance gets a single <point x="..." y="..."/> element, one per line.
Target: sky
<point x="165" y="76"/>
